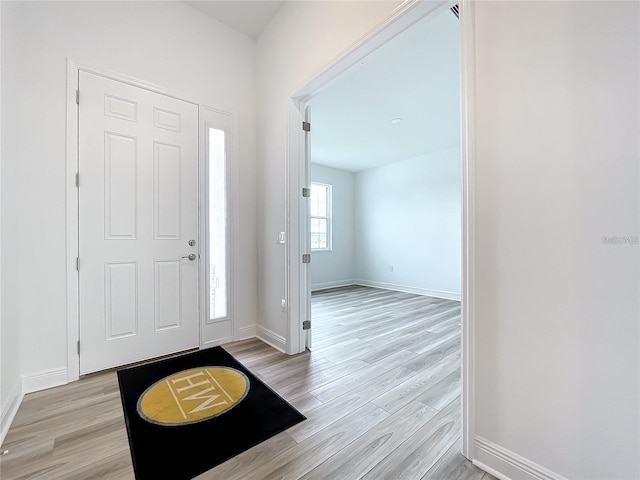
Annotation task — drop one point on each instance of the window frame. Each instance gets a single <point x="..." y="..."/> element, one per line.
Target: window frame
<point x="328" y="217"/>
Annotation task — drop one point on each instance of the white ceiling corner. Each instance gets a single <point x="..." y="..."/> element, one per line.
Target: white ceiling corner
<point x="247" y="16"/>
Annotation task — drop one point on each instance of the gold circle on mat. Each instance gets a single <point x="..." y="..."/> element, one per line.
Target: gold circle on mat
<point x="193" y="395"/>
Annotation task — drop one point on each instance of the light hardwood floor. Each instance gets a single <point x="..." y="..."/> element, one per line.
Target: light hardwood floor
<point x="381" y="392"/>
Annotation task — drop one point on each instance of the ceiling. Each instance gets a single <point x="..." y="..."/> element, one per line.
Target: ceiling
<point x="246" y="16"/>
<point x="415" y="77"/>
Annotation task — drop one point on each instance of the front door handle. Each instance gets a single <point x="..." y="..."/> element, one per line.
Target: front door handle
<point x="191" y="256"/>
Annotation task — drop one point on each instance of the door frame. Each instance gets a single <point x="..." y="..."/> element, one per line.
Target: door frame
<point x="72" y="206"/>
<point x="399" y="20"/>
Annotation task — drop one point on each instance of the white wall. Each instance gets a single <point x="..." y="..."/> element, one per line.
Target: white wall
<point x="300" y="41"/>
<point x="10" y="384"/>
<point x="557" y="359"/>
<point x="167" y="43"/>
<point x="408" y="218"/>
<point x="404" y="215"/>
<point x="334" y="268"/>
<point x="557" y="356"/>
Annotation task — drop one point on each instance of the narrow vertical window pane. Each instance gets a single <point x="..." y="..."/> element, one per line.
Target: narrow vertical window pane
<point x="217" y="225"/>
<point x="320" y="216"/>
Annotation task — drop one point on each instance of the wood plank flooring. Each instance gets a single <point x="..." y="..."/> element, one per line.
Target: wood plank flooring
<point x="381" y="392"/>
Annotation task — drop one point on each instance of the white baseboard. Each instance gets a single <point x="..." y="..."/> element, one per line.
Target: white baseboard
<point x="9" y="410"/>
<point x="490" y="470"/>
<point x="326" y="285"/>
<point x="507" y="465"/>
<point x="407" y="289"/>
<point x="243" y="333"/>
<point x="271" y="338"/>
<point x="43" y="380"/>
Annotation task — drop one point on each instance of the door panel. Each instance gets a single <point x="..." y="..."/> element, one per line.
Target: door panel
<point x="120" y="188"/>
<point x="138" y="209"/>
<point x="166" y="198"/>
<point x="121" y="294"/>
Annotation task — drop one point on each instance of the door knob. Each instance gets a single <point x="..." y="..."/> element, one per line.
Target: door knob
<point x="191" y="256"/>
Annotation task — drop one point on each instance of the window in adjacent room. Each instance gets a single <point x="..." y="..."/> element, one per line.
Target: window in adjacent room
<point x="320" y="209"/>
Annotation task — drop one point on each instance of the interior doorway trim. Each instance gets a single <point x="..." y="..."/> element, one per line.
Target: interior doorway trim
<point x="399" y="20"/>
<point x="468" y="152"/>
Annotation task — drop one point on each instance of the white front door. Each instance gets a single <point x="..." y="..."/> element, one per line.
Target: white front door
<point x="138" y="220"/>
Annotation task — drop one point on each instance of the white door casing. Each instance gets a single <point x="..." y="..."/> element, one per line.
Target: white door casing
<point x="306" y="236"/>
<point x="138" y="209"/>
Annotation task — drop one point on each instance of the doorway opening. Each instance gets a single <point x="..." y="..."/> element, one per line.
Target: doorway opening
<point x="385" y="150"/>
<point x="302" y="174"/>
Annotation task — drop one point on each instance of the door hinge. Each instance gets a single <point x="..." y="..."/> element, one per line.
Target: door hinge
<point x="78" y="264"/>
<point x="78" y="345"/>
<point x="306" y="192"/>
<point x="78" y="96"/>
<point x="306" y="325"/>
<point x="306" y="126"/>
<point x="306" y="258"/>
<point x="77" y="180"/>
